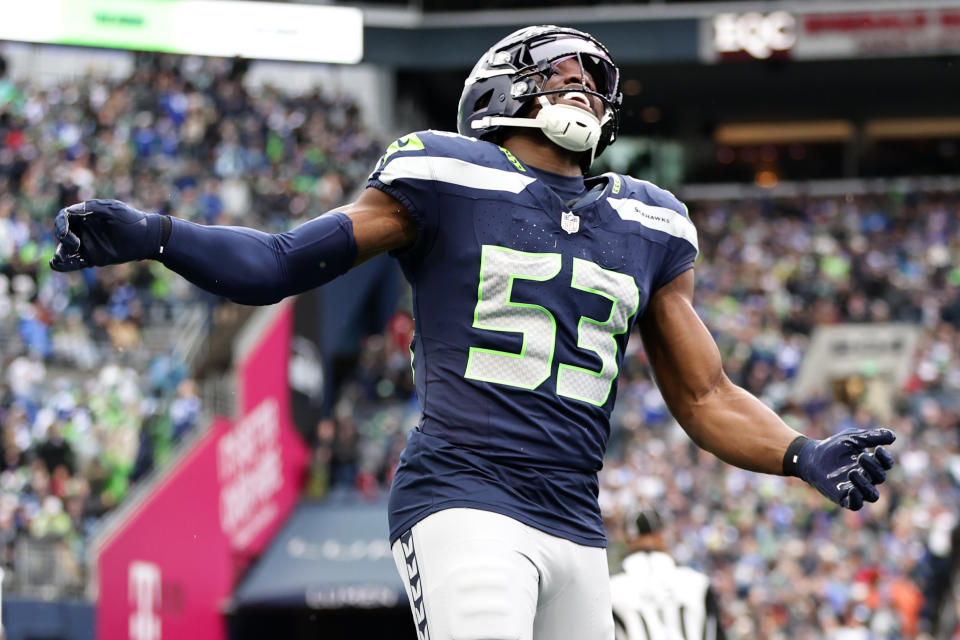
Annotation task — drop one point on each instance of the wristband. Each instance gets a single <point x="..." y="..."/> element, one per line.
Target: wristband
<point x="792" y="455"/>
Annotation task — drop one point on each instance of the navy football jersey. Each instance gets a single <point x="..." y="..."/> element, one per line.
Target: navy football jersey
<point x="522" y="306"/>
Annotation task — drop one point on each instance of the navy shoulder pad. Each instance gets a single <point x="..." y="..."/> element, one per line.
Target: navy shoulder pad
<point x="451" y="161"/>
<point x="444" y="144"/>
<point x="654" y="208"/>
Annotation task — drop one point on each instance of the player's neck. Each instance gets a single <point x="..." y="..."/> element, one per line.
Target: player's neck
<point x="533" y="148"/>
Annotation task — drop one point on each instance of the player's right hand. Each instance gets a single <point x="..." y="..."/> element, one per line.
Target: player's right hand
<point x="101" y="232"/>
<point x="843" y="468"/>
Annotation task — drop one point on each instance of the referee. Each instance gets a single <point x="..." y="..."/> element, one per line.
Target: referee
<point x="653" y="598"/>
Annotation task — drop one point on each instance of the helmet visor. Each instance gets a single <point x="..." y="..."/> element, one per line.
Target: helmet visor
<point x="593" y="61"/>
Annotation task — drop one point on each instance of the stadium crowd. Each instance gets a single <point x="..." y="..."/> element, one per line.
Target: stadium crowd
<point x="87" y="404"/>
<point x="785" y="562"/>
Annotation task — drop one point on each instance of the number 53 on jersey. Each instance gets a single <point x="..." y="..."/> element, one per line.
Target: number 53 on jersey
<point x="497" y="311"/>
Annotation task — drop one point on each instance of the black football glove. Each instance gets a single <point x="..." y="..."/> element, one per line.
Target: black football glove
<point x="842" y="468"/>
<point x="100" y="232"/>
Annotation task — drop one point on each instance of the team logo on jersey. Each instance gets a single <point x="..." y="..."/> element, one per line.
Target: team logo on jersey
<point x="569" y="222"/>
<point x="411" y="142"/>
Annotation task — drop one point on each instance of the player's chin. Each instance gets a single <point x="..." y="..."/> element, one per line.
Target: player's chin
<point x="596" y="108"/>
<point x="593" y="109"/>
<point x="596" y="114"/>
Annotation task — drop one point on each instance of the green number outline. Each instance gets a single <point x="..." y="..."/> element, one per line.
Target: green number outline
<point x="612" y="334"/>
<point x="510" y="303"/>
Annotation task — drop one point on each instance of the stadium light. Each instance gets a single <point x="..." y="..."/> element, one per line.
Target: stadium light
<point x="258" y="30"/>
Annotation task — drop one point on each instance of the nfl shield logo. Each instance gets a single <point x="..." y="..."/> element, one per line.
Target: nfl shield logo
<point x="569" y="222"/>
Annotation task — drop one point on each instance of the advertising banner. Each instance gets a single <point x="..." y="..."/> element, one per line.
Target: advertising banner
<point x="868" y="34"/>
<point x="260" y="30"/>
<point x="836" y="35"/>
<point x="166" y="571"/>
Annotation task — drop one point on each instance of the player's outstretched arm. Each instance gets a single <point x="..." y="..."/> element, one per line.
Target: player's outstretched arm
<point x="737" y="427"/>
<point x="243" y="264"/>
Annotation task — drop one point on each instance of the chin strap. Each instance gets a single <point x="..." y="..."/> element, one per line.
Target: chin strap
<point x="564" y="124"/>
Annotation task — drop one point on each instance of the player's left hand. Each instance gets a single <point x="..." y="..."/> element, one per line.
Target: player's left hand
<point x="843" y="469"/>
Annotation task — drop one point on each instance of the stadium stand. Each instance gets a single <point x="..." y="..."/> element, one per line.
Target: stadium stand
<point x="771" y="271"/>
<point x="96" y="388"/>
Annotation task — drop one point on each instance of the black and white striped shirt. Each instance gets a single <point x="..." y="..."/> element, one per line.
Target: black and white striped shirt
<point x="654" y="599"/>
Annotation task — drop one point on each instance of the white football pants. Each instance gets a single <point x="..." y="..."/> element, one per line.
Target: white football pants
<point x="479" y="575"/>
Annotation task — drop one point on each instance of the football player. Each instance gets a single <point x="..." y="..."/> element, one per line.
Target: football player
<point x="527" y="280"/>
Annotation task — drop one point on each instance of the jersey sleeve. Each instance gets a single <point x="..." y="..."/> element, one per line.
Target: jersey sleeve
<point x="682" y="246"/>
<point x="404" y="171"/>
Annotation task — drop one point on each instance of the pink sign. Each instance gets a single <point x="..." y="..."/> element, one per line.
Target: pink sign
<point x="167" y="570"/>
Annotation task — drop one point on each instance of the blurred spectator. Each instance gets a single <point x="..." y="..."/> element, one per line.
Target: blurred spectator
<point x="185" y="409"/>
<point x="319" y="483"/>
<point x="56" y="452"/>
<point x="343" y="461"/>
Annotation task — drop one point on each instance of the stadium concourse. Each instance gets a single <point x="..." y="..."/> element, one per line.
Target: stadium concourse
<point x="91" y="395"/>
